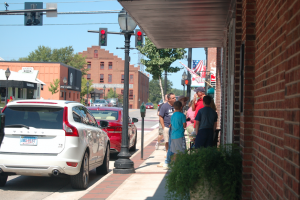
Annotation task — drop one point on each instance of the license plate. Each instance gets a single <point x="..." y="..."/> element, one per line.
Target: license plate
<point x="28" y="140"/>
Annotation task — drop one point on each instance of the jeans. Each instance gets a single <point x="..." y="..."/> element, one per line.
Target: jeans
<point x="169" y="153"/>
<point x="204" y="138"/>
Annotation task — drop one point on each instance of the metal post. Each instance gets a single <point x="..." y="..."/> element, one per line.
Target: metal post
<point x="206" y="76"/>
<point x="124" y="165"/>
<point x="165" y="83"/>
<point x="65" y="92"/>
<point x="87" y="96"/>
<point x="6" y="91"/>
<point x="188" y="87"/>
<point x="183" y="90"/>
<point x="142" y="145"/>
<point x="104" y="94"/>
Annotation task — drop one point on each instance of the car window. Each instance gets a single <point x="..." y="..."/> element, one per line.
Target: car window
<point x="77" y="116"/>
<point x="102" y="101"/>
<point x="105" y="114"/>
<point x="37" y="117"/>
<point x="97" y="101"/>
<point x="90" y="118"/>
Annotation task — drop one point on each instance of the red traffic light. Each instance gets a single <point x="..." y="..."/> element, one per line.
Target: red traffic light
<point x="139" y="33"/>
<point x="102" y="31"/>
<point x="186" y="81"/>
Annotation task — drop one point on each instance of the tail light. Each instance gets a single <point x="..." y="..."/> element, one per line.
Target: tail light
<point x="68" y="128"/>
<point x="72" y="164"/>
<point x="114" y="129"/>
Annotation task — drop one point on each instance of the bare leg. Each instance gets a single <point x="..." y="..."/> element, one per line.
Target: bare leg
<point x="167" y="146"/>
<point x="159" y="138"/>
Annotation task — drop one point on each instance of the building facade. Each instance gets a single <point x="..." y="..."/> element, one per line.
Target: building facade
<point x="106" y="69"/>
<point x="47" y="73"/>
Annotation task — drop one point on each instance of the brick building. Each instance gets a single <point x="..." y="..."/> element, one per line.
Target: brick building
<point x="47" y="73"/>
<point x="108" y="69"/>
<point x="257" y="79"/>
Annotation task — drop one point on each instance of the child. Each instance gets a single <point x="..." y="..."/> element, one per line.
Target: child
<point x="205" y="124"/>
<point x="178" y="123"/>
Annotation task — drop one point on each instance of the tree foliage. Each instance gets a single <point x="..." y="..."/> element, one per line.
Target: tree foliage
<point x="64" y="55"/>
<point x="54" y="87"/>
<point x="84" y="87"/>
<point x="155" y="92"/>
<point x="160" y="60"/>
<point x="111" y="94"/>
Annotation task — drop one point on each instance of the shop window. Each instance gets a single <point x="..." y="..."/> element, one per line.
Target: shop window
<point x="102" y="65"/>
<point x="130" y="106"/>
<point x="89" y="65"/>
<point x="77" y="95"/>
<point x="110" y="78"/>
<point x="95" y="53"/>
<point x="88" y="76"/>
<point x="69" y="95"/>
<point x="122" y="78"/>
<point x="110" y="65"/>
<point x="61" y="94"/>
<point x="131" y="78"/>
<point x="130" y="94"/>
<point x="101" y="78"/>
<point x="101" y="94"/>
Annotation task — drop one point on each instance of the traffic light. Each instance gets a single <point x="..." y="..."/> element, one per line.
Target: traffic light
<point x="33" y="18"/>
<point x="139" y="38"/>
<point x="102" y="36"/>
<point x="187" y="82"/>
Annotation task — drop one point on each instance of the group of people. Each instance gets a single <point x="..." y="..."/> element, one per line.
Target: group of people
<point x="175" y="118"/>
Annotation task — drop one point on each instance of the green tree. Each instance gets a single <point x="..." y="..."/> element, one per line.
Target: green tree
<point x="111" y="94"/>
<point x="53" y="88"/>
<point x="155" y="92"/>
<point x="160" y="60"/>
<point x="84" y="88"/>
<point x="177" y="92"/>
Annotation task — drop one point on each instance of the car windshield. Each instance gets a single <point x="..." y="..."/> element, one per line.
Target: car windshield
<point x="37" y="117"/>
<point x="100" y="101"/>
<point x="105" y="114"/>
<point x="149" y="104"/>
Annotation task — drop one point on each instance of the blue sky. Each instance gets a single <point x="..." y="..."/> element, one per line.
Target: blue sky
<point x="19" y="41"/>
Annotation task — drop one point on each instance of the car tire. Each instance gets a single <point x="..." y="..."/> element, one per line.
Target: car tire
<point x="104" y="168"/>
<point x="133" y="148"/>
<point x="3" y="179"/>
<point x="81" y="180"/>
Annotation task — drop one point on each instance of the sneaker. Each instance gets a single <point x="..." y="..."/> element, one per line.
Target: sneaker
<point x="161" y="164"/>
<point x="164" y="148"/>
<point x="156" y="145"/>
<point x="166" y="166"/>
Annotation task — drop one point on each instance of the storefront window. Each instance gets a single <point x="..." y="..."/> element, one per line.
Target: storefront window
<point x="30" y="93"/>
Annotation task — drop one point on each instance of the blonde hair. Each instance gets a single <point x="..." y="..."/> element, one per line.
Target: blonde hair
<point x="213" y="105"/>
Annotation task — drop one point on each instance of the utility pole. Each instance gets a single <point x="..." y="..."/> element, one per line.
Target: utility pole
<point x="188" y="87"/>
<point x="165" y="83"/>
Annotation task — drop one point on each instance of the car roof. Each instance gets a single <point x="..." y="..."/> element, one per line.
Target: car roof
<point x="30" y="102"/>
<point x="104" y="108"/>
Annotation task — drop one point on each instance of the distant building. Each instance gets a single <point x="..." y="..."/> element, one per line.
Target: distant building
<point x="29" y="76"/>
<point x="108" y="69"/>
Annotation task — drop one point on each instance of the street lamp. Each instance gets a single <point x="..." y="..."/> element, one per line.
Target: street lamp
<point x="184" y="77"/>
<point x="7" y="74"/>
<point x="124" y="165"/>
<point x="65" y="82"/>
<point x="115" y="91"/>
<point x="104" y="91"/>
<point x="87" y="92"/>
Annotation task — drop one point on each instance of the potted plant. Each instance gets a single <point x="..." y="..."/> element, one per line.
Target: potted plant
<point x="206" y="173"/>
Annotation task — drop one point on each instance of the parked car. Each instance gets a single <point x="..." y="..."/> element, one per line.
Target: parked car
<point x="100" y="102"/>
<point x="114" y="101"/>
<point x="114" y="129"/>
<point x="149" y="105"/>
<point x="160" y="102"/>
<point x="49" y="138"/>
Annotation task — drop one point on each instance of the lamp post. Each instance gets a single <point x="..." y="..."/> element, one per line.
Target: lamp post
<point x="7" y="74"/>
<point x="184" y="77"/>
<point x="115" y="91"/>
<point x="124" y="165"/>
<point x="65" y="82"/>
<point x="104" y="91"/>
<point x="87" y="92"/>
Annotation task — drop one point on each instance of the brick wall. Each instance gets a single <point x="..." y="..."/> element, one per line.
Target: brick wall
<point x="218" y="91"/>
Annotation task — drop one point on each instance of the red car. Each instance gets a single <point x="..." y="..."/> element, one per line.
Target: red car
<point x="114" y="130"/>
<point x="149" y="106"/>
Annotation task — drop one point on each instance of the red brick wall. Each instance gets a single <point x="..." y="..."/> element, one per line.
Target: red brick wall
<point x="218" y="91"/>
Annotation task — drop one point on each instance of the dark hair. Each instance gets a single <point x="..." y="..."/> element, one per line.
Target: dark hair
<point x="177" y="105"/>
<point x="169" y="95"/>
<point x="207" y="100"/>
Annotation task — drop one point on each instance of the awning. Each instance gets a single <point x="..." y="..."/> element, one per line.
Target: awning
<point x="22" y="77"/>
<point x="181" y="23"/>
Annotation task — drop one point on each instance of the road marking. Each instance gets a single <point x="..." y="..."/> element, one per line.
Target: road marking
<point x="155" y="126"/>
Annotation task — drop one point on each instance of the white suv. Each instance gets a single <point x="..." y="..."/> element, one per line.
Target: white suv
<point x="48" y="138"/>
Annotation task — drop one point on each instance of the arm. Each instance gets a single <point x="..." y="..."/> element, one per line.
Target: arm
<point x="161" y="120"/>
<point x="194" y="101"/>
<point x="196" y="126"/>
<point x="184" y="125"/>
<point x="215" y="126"/>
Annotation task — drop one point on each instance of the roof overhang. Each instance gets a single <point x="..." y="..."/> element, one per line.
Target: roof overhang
<point x="181" y="23"/>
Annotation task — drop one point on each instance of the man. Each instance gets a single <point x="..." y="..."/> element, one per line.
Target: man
<point x="183" y="100"/>
<point x="160" y="130"/>
<point x="165" y="114"/>
<point x="200" y="92"/>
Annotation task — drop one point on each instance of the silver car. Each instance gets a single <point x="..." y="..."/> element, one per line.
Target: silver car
<point x="100" y="103"/>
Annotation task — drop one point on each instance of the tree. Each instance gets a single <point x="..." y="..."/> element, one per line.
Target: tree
<point x="84" y="88"/>
<point x="63" y="55"/>
<point x="53" y="88"/>
<point x="111" y="94"/>
<point x="160" y="60"/>
<point x="154" y="91"/>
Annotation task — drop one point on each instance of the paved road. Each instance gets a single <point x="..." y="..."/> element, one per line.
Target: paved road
<point x="48" y="188"/>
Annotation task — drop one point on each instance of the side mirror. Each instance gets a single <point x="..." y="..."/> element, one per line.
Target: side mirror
<point x="135" y="120"/>
<point x="103" y="124"/>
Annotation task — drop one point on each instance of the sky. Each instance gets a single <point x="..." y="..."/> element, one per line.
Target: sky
<point x="19" y="41"/>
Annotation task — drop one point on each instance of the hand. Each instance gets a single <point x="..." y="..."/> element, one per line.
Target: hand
<point x="195" y="96"/>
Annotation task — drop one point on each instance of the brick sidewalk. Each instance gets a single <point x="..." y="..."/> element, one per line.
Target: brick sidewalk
<point x="111" y="183"/>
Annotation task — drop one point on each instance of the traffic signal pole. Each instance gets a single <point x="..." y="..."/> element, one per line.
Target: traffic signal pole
<point x="188" y="87"/>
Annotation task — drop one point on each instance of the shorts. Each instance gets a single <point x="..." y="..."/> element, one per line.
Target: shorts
<point x="178" y="145"/>
<point x="166" y="134"/>
<point x="160" y="130"/>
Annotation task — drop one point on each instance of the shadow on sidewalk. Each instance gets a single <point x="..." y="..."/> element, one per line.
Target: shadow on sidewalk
<point x="160" y="192"/>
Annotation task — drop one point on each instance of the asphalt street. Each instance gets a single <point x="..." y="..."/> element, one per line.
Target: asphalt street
<point x="36" y="188"/>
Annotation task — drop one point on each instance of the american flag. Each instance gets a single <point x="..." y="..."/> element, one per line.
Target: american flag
<point x="199" y="67"/>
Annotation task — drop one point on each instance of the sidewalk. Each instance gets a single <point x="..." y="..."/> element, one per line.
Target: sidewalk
<point x="147" y="183"/>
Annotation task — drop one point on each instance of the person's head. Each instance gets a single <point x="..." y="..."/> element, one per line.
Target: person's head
<point x="183" y="100"/>
<point x="206" y="100"/>
<point x="171" y="98"/>
<point x="200" y="91"/>
<point x="166" y="98"/>
<point x="177" y="106"/>
<point x="213" y="105"/>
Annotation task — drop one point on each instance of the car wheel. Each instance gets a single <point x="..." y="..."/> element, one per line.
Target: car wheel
<point x="133" y="148"/>
<point x="81" y="180"/>
<point x="3" y="179"/>
<point x="104" y="168"/>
